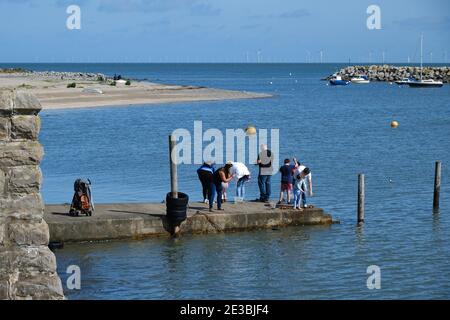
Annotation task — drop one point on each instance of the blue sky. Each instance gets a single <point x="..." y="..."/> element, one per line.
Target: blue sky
<point x="223" y="31"/>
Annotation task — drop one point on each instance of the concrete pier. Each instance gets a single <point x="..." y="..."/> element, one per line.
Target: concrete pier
<point x="138" y="221"/>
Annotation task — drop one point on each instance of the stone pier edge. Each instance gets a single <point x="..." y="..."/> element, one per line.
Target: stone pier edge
<point x="27" y="266"/>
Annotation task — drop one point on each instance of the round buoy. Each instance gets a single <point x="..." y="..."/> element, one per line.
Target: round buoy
<point x="250" y="130"/>
<point x="394" y="124"/>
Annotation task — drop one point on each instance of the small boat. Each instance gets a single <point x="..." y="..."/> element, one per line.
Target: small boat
<point x="424" y="83"/>
<point x="404" y="81"/>
<point x="427" y="83"/>
<point x="337" y="81"/>
<point x="360" y="80"/>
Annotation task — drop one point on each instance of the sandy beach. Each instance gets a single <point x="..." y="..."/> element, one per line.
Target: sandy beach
<point x="52" y="91"/>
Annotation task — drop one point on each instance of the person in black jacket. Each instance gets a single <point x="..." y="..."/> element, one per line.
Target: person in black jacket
<point x="206" y="175"/>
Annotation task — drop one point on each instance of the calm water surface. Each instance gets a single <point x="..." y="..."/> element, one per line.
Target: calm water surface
<point x="337" y="131"/>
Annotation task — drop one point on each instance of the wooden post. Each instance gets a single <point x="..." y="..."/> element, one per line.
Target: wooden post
<point x="361" y="198"/>
<point x="173" y="168"/>
<point x="437" y="186"/>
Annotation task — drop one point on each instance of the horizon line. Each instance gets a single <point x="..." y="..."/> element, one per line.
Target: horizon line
<point x="223" y="62"/>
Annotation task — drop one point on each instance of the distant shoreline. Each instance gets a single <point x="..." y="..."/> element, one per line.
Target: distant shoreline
<point x="51" y="88"/>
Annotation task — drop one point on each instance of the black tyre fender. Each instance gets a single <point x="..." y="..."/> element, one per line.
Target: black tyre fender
<point x="176" y="208"/>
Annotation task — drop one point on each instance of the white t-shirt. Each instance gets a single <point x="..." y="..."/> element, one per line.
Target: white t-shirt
<point x="239" y="169"/>
<point x="308" y="178"/>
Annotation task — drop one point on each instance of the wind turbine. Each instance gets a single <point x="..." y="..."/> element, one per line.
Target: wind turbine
<point x="258" y="56"/>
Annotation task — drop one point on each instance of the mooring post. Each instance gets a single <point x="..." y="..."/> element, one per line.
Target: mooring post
<point x="173" y="168"/>
<point x="361" y="198"/>
<point x="437" y="186"/>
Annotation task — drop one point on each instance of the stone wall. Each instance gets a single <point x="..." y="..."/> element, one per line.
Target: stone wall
<point x="27" y="266"/>
<point x="394" y="73"/>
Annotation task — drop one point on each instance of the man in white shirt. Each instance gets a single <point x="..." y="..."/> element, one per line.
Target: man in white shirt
<point x="242" y="175"/>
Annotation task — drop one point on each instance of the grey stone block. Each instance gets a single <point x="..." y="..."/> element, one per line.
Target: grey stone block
<point x="30" y="233"/>
<point x="26" y="207"/>
<point x="26" y="103"/>
<point x="21" y="153"/>
<point x="25" y="127"/>
<point x="24" y="179"/>
<point x="39" y="286"/>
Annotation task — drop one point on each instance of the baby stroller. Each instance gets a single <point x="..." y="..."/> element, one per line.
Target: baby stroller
<point x="82" y="202"/>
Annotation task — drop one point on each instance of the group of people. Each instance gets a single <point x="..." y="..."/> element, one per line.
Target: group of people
<point x="295" y="178"/>
<point x="216" y="181"/>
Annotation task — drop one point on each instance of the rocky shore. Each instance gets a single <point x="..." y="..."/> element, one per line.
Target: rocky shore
<point x="54" y="75"/>
<point x="394" y="73"/>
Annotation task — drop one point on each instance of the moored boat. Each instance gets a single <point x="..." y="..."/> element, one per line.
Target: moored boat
<point x="338" y="81"/>
<point x="427" y="83"/>
<point x="424" y="83"/>
<point x="360" y="80"/>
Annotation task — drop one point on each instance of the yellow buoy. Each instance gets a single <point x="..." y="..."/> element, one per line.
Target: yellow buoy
<point x="250" y="130"/>
<point x="394" y="124"/>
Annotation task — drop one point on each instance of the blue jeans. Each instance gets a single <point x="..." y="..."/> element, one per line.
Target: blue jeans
<point x="299" y="198"/>
<point x="240" y="188"/>
<point x="212" y="194"/>
<point x="264" y="187"/>
<point x="216" y="189"/>
<point x="303" y="196"/>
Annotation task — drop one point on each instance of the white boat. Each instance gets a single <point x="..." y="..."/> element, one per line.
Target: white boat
<point x="427" y="83"/>
<point x="360" y="80"/>
<point x="424" y="83"/>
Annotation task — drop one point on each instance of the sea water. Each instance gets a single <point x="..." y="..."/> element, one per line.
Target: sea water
<point x="336" y="131"/>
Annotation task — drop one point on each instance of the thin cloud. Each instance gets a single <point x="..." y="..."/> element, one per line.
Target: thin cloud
<point x="204" y="9"/>
<point x="299" y="13"/>
<point x="141" y="5"/>
<point x="294" y="14"/>
<point x="420" y="23"/>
